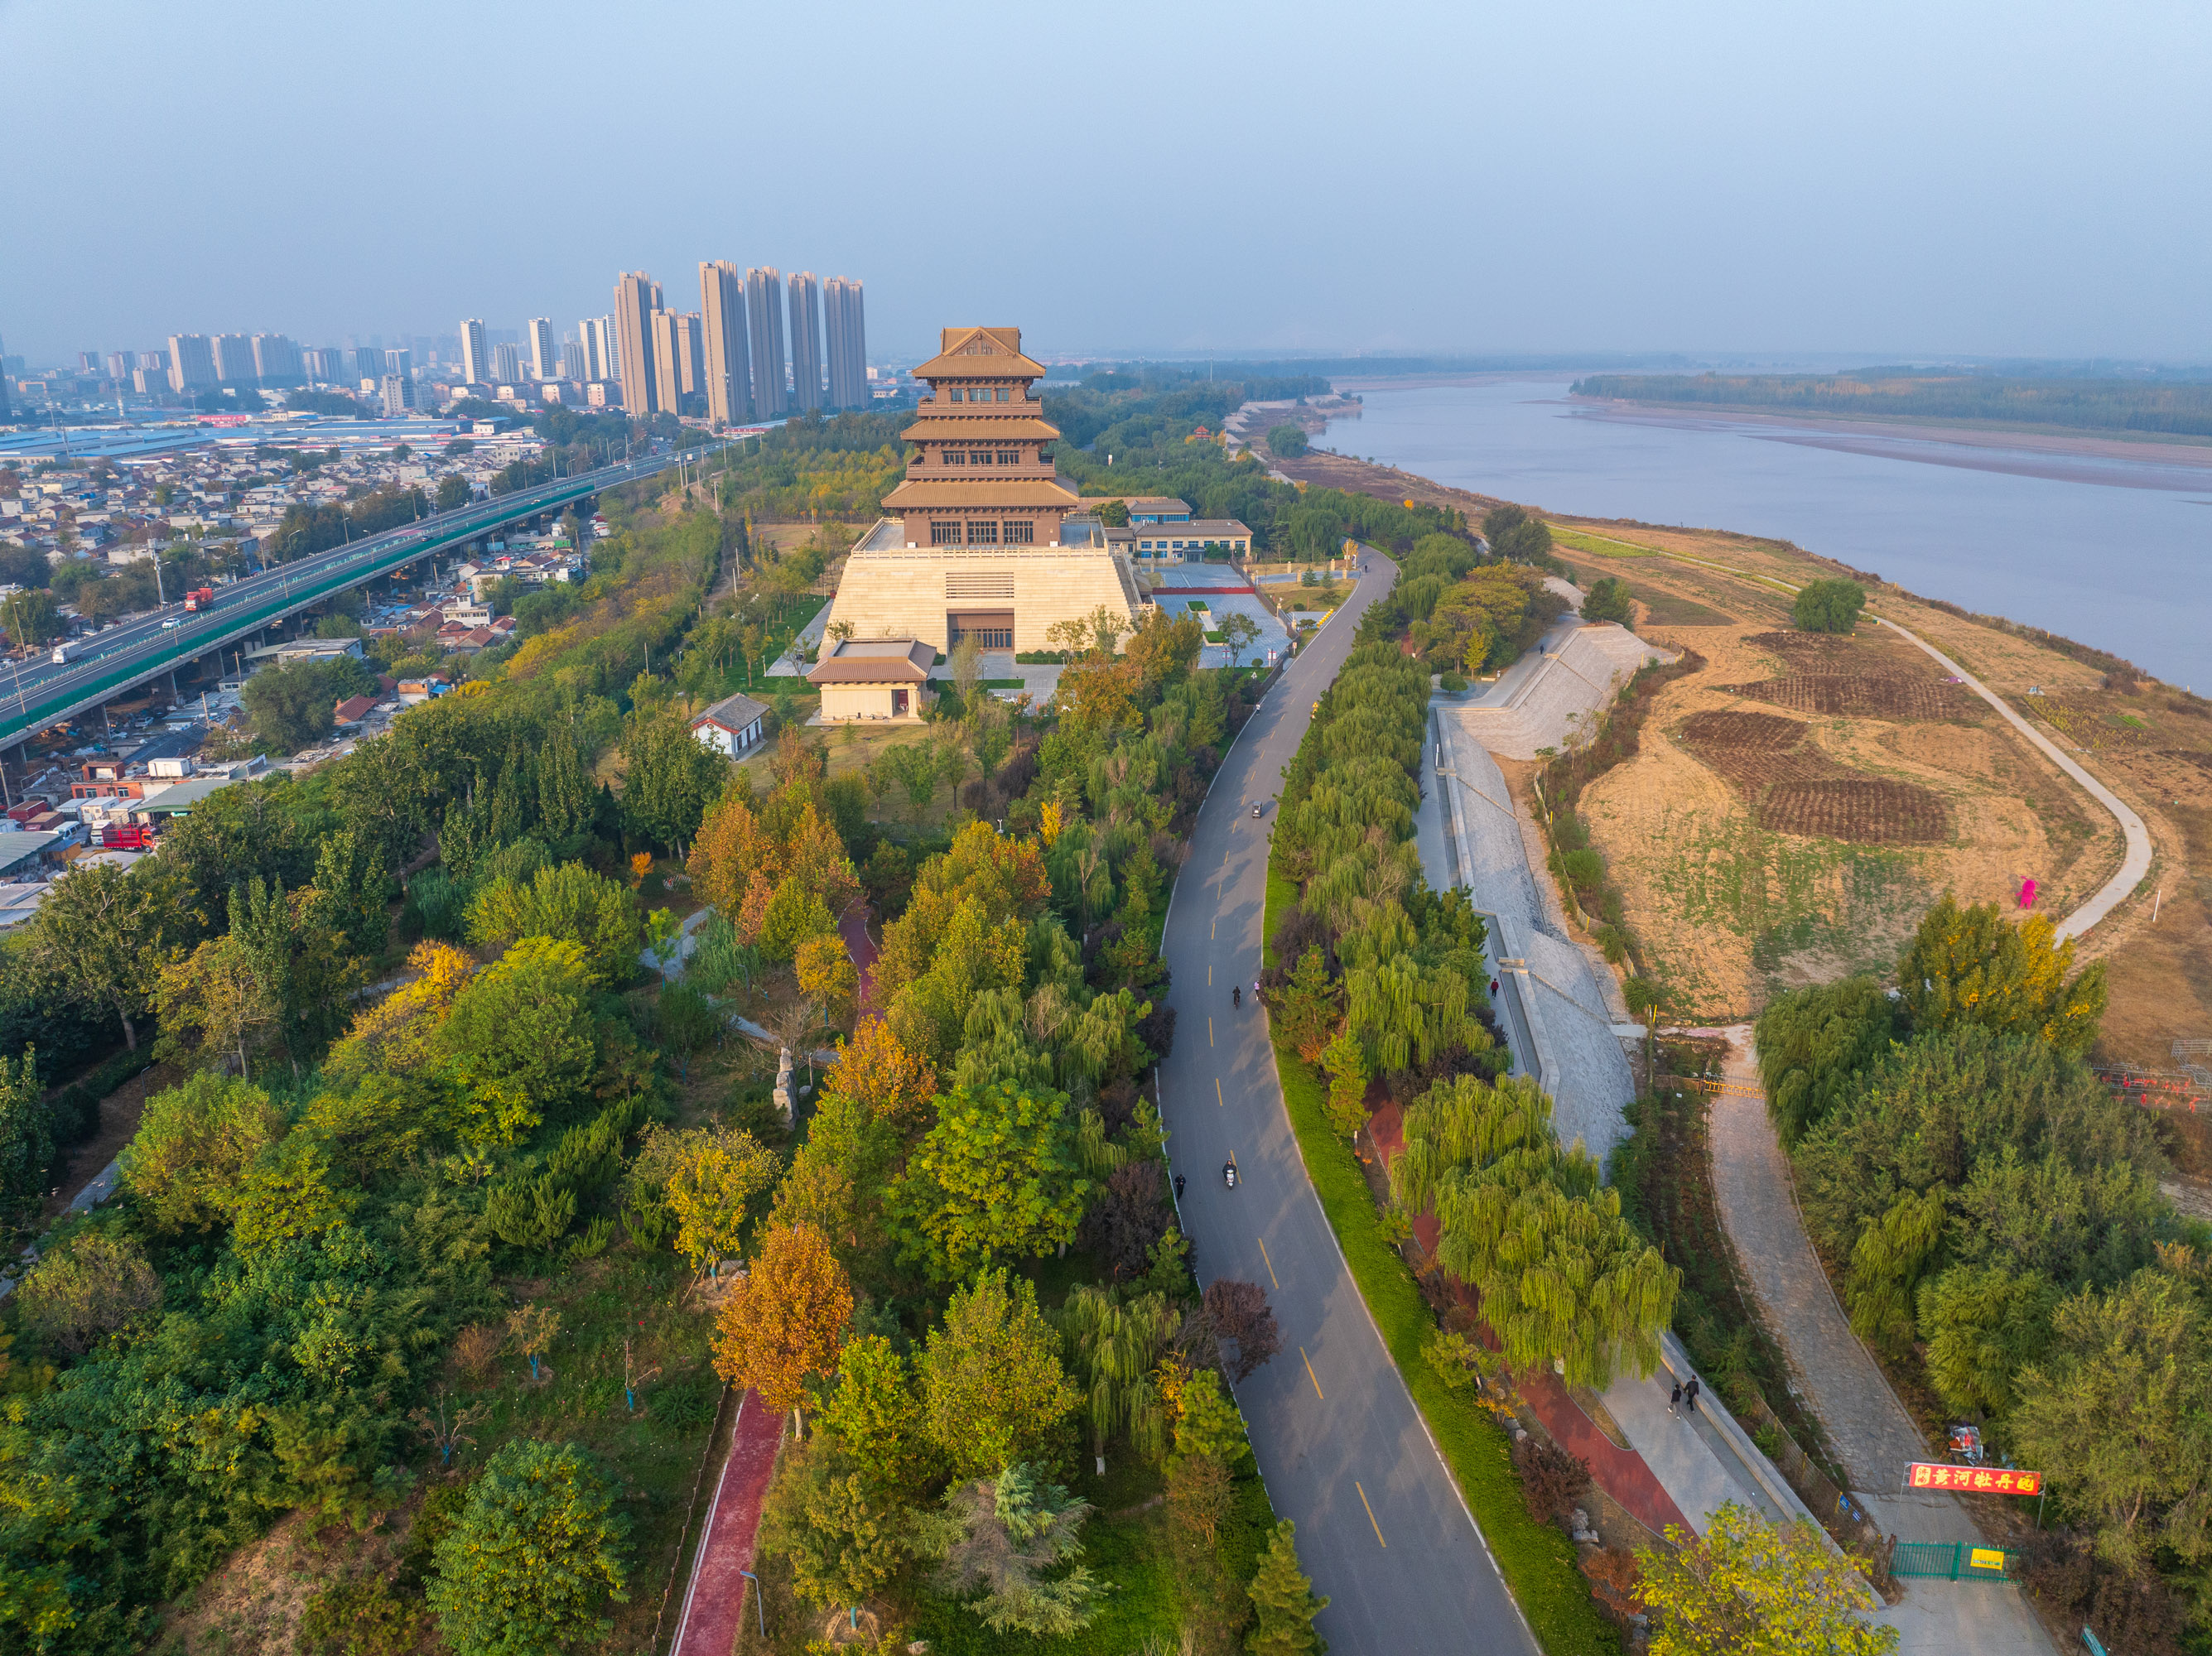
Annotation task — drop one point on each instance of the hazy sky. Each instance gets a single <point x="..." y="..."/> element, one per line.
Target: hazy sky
<point x="2024" y="177"/>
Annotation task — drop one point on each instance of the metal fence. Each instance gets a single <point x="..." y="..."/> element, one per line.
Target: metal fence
<point x="1954" y="1561"/>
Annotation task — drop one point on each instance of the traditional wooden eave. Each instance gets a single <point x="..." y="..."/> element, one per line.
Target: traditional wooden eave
<point x="929" y="494"/>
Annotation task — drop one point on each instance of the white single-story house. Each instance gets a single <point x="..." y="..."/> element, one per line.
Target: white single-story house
<point x="874" y="678"/>
<point x="733" y="725"/>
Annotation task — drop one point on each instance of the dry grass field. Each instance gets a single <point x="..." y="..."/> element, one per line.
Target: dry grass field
<point x="1764" y="856"/>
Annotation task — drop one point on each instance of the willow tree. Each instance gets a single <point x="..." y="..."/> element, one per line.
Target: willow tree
<point x="1404" y="1013"/>
<point x="1564" y="1278"/>
<point x="1116" y="1345"/>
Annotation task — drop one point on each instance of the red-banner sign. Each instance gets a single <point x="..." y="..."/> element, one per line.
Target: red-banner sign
<point x="1974" y="1480"/>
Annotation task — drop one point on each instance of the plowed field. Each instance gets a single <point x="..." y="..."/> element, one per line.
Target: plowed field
<point x="1793" y="787"/>
<point x="1859" y="695"/>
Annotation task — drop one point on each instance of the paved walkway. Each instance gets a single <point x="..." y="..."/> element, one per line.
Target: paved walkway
<point x="1868" y="1427"/>
<point x="714" y="1602"/>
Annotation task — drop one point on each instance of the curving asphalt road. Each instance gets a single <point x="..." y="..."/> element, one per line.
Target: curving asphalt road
<point x="1381" y="1526"/>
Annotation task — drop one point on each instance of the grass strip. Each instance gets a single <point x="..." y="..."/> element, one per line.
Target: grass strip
<point x="1282" y="894"/>
<point x="1537" y="1562"/>
<point x="1603" y="545"/>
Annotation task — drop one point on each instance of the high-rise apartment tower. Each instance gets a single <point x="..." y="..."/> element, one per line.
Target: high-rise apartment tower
<point x="476" y="353"/>
<point x="192" y="362"/>
<point x="805" y="343"/>
<point x="506" y="364"/>
<point x="678" y="372"/>
<point x="848" y="343"/>
<point x="637" y="296"/>
<point x="728" y="364"/>
<point x="544" y="358"/>
<point x="764" y="316"/>
<point x="233" y="359"/>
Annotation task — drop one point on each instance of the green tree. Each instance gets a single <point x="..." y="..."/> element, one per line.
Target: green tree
<point x="95" y="1283"/>
<point x="1306" y="1011"/>
<point x="293" y="704"/>
<point x="384" y="793"/>
<point x="794" y="914"/>
<point x="31" y="617"/>
<point x="877" y="1414"/>
<point x="520" y="1034"/>
<point x="567" y="902"/>
<point x="1001" y="1534"/>
<point x="2120" y="1409"/>
<point x="1239" y="632"/>
<point x="827" y="1520"/>
<point x="1607" y="599"/>
<point x="1283" y="1595"/>
<point x="535" y="1554"/>
<point x="1116" y="1344"/>
<point x="1287" y="442"/>
<point x="1564" y="1278"/>
<point x="1347" y="1084"/>
<point x="914" y="767"/>
<point x="27" y="1143"/>
<point x="194" y="1143"/>
<point x="1887" y="1264"/>
<point x="1515" y="535"/>
<point x="452" y="491"/>
<point x="997" y="1177"/>
<point x="1748" y="1585"/>
<point x="1827" y="606"/>
<point x="1975" y="966"/>
<point x="668" y="779"/>
<point x="1206" y="1423"/>
<point x="105" y="933"/>
<point x="993" y="1390"/>
<point x="1815" y="1046"/>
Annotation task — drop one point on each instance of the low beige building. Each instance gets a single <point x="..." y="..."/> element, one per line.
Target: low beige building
<point x="873" y="678"/>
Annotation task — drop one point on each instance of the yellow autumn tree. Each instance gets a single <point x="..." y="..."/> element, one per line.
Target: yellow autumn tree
<point x="876" y="1068"/>
<point x="709" y="1177"/>
<point x="785" y="1319"/>
<point x="394" y="1034"/>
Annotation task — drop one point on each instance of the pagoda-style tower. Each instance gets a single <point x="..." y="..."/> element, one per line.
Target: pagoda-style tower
<point x="980" y="477"/>
<point x="982" y="542"/>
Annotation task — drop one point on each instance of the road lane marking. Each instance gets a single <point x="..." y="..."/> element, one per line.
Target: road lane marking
<point x="1371" y="1515"/>
<point x="1270" y="1263"/>
<point x="1217" y="1098"/>
<point x="1209" y="1028"/>
<point x="1209" y="974"/>
<point x="1311" y="1375"/>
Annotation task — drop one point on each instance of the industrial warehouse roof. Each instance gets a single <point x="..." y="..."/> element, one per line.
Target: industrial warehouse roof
<point x="876" y="661"/>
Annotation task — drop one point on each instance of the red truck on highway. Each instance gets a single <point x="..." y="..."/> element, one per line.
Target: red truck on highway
<point x="200" y="598"/>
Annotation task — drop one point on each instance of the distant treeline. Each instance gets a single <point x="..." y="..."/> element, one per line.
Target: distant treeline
<point x="1320" y="370"/>
<point x="2082" y="404"/>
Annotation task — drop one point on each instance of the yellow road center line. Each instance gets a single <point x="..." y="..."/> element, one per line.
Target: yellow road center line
<point x="1209" y="974"/>
<point x="1265" y="1260"/>
<point x="1217" y="1098"/>
<point x="1209" y="1030"/>
<point x="1379" y="1541"/>
<point x="1309" y="1373"/>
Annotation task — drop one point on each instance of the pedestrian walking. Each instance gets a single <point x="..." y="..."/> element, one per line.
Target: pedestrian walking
<point x="1493" y="989"/>
<point x="1255" y="989"/>
<point x="1237" y="996"/>
<point x="1675" y="1399"/>
<point x="1179" y="1197"/>
<point x="1690" y="1395"/>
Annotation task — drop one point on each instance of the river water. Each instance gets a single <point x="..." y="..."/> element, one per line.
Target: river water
<point x="2110" y="552"/>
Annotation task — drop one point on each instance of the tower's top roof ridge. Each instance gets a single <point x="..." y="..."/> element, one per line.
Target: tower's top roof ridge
<point x="980" y="352"/>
